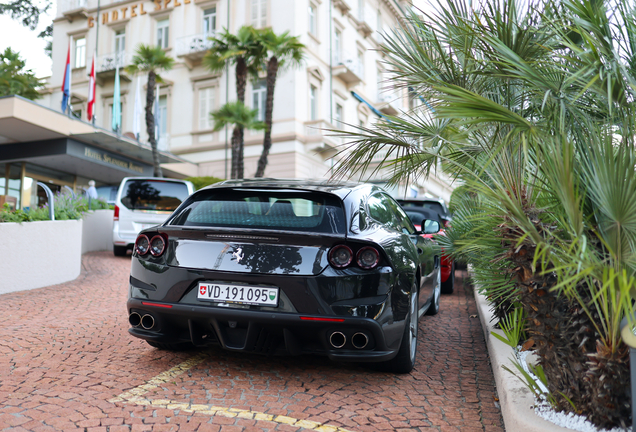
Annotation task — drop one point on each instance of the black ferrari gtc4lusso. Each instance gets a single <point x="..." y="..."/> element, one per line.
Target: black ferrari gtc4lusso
<point x="287" y="267"/>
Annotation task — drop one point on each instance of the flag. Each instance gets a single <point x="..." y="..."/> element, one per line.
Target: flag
<point x="91" y="92"/>
<point x="137" y="110"/>
<point x="66" y="84"/>
<point x="116" y="123"/>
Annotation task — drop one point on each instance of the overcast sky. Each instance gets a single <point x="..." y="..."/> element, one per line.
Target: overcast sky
<point x="13" y="34"/>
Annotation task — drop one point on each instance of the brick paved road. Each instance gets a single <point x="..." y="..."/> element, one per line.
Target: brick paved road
<point x="65" y="352"/>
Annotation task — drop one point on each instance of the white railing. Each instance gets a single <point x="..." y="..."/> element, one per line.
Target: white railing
<point x="194" y="44"/>
<point x="351" y="62"/>
<point x="108" y="62"/>
<point x="323" y="129"/>
<point x="69" y="5"/>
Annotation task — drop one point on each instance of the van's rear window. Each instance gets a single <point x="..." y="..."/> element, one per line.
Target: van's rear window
<point x="153" y="195"/>
<point x="258" y="209"/>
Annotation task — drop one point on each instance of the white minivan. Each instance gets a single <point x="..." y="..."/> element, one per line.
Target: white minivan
<point x="143" y="202"/>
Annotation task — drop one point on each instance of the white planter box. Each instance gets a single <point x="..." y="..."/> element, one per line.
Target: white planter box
<point x="39" y="254"/>
<point x="97" y="232"/>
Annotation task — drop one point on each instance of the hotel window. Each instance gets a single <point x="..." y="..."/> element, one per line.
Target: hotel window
<point x="360" y="10"/>
<point x="206" y="106"/>
<point x="361" y="63"/>
<point x="80" y="52"/>
<point x="259" y="94"/>
<point x="337" y="47"/>
<point x="259" y="13"/>
<point x="378" y="22"/>
<point x="338" y="115"/>
<point x="313" y="24"/>
<point x="209" y="21"/>
<point x="162" y="117"/>
<point x="313" y="102"/>
<point x="163" y="28"/>
<point x="120" y="41"/>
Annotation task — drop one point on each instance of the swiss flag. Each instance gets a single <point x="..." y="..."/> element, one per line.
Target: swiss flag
<point x="91" y="92"/>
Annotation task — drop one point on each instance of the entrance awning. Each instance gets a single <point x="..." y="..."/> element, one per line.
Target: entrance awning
<point x="33" y="133"/>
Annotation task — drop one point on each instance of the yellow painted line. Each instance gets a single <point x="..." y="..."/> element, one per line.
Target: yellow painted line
<point x="136" y="396"/>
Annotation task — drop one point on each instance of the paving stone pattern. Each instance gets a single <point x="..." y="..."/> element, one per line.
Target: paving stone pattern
<point x="65" y="352"/>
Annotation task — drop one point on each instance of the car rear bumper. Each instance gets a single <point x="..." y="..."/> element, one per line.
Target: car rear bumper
<point x="262" y="332"/>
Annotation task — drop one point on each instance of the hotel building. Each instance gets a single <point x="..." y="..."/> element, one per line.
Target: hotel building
<point x="341" y="82"/>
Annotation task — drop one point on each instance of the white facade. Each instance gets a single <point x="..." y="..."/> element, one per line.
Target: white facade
<point x="342" y="39"/>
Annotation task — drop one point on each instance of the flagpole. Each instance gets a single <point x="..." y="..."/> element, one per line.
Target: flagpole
<point x="96" y="52"/>
<point x="70" y="75"/>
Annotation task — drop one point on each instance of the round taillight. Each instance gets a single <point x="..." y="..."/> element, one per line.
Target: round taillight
<point x="157" y="245"/>
<point x="368" y="257"/>
<point x="340" y="256"/>
<point x="142" y="244"/>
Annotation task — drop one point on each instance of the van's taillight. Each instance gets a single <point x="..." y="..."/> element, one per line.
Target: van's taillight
<point x="116" y="214"/>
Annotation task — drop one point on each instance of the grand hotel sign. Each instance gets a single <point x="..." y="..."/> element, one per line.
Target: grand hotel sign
<point x="135" y="10"/>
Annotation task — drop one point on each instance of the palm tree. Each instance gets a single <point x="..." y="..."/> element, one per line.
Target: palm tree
<point x="247" y="53"/>
<point x="532" y="105"/>
<point x="242" y="117"/>
<point x="14" y="80"/>
<point x="151" y="60"/>
<point x="285" y="52"/>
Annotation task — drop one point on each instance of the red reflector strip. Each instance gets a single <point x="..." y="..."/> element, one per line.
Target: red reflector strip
<point x="321" y="319"/>
<point x="156" y="304"/>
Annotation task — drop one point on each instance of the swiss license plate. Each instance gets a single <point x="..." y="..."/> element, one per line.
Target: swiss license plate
<point x="238" y="294"/>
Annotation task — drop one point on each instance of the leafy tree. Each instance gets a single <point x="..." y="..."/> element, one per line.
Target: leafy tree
<point x="29" y="11"/>
<point x="531" y="105"/>
<point x="242" y="117"/>
<point x="285" y="52"/>
<point x="246" y="52"/>
<point x="14" y="80"/>
<point x="151" y="60"/>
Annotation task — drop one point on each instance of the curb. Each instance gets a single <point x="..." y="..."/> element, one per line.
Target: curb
<point x="514" y="397"/>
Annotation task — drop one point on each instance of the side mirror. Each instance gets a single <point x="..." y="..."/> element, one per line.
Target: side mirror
<point x="430" y="227"/>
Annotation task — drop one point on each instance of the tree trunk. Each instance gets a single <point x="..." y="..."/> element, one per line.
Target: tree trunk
<point x="241" y="83"/>
<point x="235" y="149"/>
<point x="272" y="71"/>
<point x="150" y="122"/>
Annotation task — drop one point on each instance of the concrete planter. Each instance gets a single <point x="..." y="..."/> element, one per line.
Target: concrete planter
<point x="97" y="231"/>
<point x="38" y="254"/>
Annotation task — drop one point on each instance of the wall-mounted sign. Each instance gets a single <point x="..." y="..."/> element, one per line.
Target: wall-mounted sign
<point x="105" y="157"/>
<point x="135" y="10"/>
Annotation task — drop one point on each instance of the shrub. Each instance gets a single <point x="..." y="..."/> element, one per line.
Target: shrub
<point x="67" y="207"/>
<point x="201" y="182"/>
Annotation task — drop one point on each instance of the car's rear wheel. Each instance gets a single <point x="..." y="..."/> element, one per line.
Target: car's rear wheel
<point x="449" y="286"/>
<point x="404" y="361"/>
<point x="171" y="346"/>
<point x="120" y="250"/>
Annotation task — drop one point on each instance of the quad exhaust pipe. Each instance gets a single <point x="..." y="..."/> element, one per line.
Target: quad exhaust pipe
<point x="337" y="339"/>
<point x="147" y="321"/>
<point x="359" y="340"/>
<point x="134" y="319"/>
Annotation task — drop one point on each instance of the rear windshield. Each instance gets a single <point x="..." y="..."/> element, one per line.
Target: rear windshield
<point x="427" y="205"/>
<point x="278" y="210"/>
<point x="153" y="195"/>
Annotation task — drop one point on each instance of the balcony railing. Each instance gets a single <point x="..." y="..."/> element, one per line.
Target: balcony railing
<point x="110" y="62"/>
<point x="71" y="5"/>
<point x="353" y="70"/>
<point x="194" y="44"/>
<point x="320" y="131"/>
